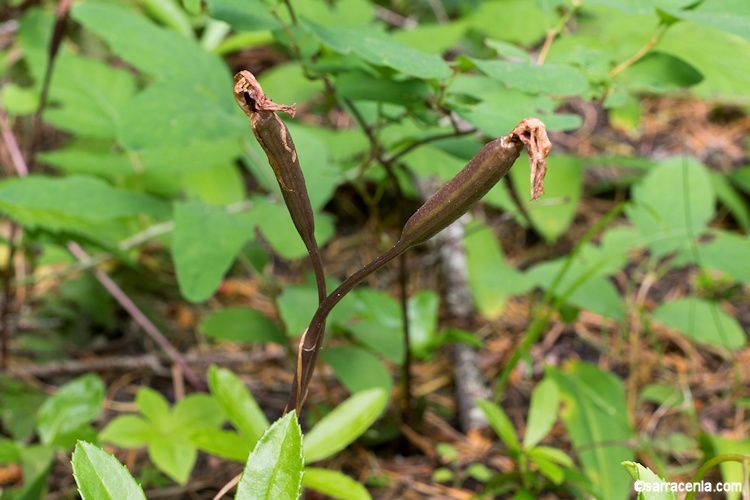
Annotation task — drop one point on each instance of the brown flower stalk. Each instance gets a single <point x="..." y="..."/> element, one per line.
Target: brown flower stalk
<point x="451" y="201"/>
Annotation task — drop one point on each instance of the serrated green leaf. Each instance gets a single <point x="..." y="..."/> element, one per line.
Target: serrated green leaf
<point x="127" y="431"/>
<point x="555" y="79"/>
<point x="501" y="424"/>
<point x="702" y="321"/>
<point x="334" y="484"/>
<point x="344" y="424"/>
<point x="237" y="403"/>
<point x="380" y="49"/>
<point x="357" y="369"/>
<point x="101" y="476"/>
<point x="545" y="400"/>
<point x="76" y="403"/>
<point x="673" y="204"/>
<point x="489" y="290"/>
<point x="205" y="242"/>
<point x="241" y="324"/>
<point x="595" y="414"/>
<point x="275" y="467"/>
<point x="655" y="488"/>
<point x="173" y="454"/>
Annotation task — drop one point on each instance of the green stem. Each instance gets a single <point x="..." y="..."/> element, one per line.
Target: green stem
<point x="703" y="470"/>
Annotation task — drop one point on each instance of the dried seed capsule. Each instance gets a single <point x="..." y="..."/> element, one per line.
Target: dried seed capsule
<point x="273" y="136"/>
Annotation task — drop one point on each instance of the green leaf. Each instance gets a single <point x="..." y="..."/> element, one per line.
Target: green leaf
<point x="362" y="86"/>
<point x="489" y="290"/>
<point x="702" y="321"/>
<point x="650" y="486"/>
<point x="226" y="444"/>
<point x="378" y="323"/>
<point x="639" y="6"/>
<point x="152" y="405"/>
<point x="380" y="49"/>
<point x="548" y="468"/>
<point x="237" y="403"/>
<point x="334" y="484"/>
<point x="205" y="242"/>
<point x="663" y="395"/>
<point x="218" y="185"/>
<point x="562" y="186"/>
<point x="555" y="79"/>
<point x="731" y="199"/>
<point x="100" y="476"/>
<point x="731" y="471"/>
<point x="76" y="403"/>
<point x="71" y="203"/>
<point x="660" y="73"/>
<point x="518" y="21"/>
<point x="168" y="56"/>
<point x="196" y="411"/>
<point x="173" y="454"/>
<point x="673" y="204"/>
<point x="357" y="368"/>
<point x="91" y="96"/>
<point x="241" y="324"/>
<point x="422" y="314"/>
<point x="243" y="15"/>
<point x="501" y="424"/>
<point x="727" y="253"/>
<point x="127" y="431"/>
<point x="731" y="16"/>
<point x="275" y="467"/>
<point x="595" y="414"/>
<point x="545" y="400"/>
<point x="344" y="424"/>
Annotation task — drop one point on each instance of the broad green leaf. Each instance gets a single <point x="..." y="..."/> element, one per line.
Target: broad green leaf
<point x="36" y="462"/>
<point x="491" y="279"/>
<point x="101" y="476"/>
<point x="595" y="414"/>
<point x="153" y="406"/>
<point x="380" y="49"/>
<point x="660" y="73"/>
<point x="19" y="400"/>
<point x="518" y="21"/>
<point x="433" y="38"/>
<point x="549" y="469"/>
<point x="274" y="222"/>
<point x="727" y="253"/>
<point x="226" y="444"/>
<point x="275" y="467"/>
<point x="173" y="454"/>
<point x="344" y="424"/>
<point x="169" y="13"/>
<point x="205" y="242"/>
<point x="702" y="321"/>
<point x="70" y="203"/>
<point x="127" y="431"/>
<point x="638" y="6"/>
<point x="501" y="424"/>
<point x="241" y="324"/>
<point x="90" y="96"/>
<point x="731" y="472"/>
<point x="357" y="369"/>
<point x="715" y="57"/>
<point x="237" y="403"/>
<point x="562" y="186"/>
<point x="243" y="15"/>
<point x="673" y="204"/>
<point x="340" y="13"/>
<point x="286" y="83"/>
<point x="361" y="86"/>
<point x="650" y="486"/>
<point x="168" y="56"/>
<point x="165" y="115"/>
<point x="555" y="79"/>
<point x="76" y="403"/>
<point x="334" y="484"/>
<point x="545" y="402"/>
<point x="422" y="314"/>
<point x="430" y="161"/>
<point x="731" y="16"/>
<point x="219" y="185"/>
<point x="378" y="323"/>
<point x="196" y="411"/>
<point x="731" y="199"/>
